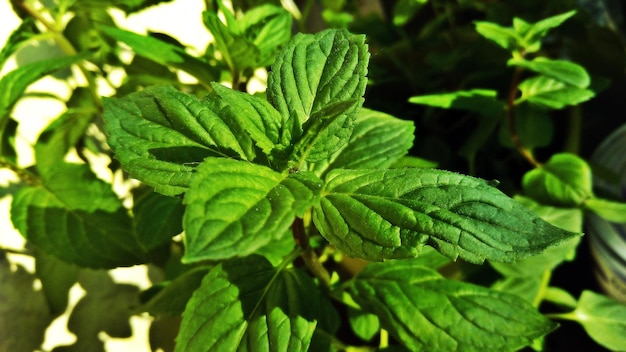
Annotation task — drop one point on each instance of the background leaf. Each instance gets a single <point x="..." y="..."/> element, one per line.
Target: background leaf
<point x="481" y="101"/>
<point x="235" y="207"/>
<point x="391" y="214"/>
<point x="427" y="312"/>
<point x="77" y="218"/>
<point x="552" y="94"/>
<point x="57" y="277"/>
<point x="562" y="70"/>
<point x="157" y="218"/>
<point x="246" y="304"/>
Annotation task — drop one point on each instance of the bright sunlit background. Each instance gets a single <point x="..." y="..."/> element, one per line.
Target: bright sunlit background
<point x="180" y="19"/>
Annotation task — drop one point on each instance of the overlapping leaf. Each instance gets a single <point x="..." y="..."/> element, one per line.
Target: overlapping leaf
<point x="248" y="305"/>
<point x="564" y="71"/>
<point x="427" y="312"/>
<point x="320" y="80"/>
<point x="77" y="218"/>
<point x="235" y="207"/>
<point x="553" y="94"/>
<point x="387" y="214"/>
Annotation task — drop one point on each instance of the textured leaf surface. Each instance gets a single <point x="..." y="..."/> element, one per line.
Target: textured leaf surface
<point x="603" y="318"/>
<point x="248" y="305"/>
<point x="77" y="218"/>
<point x="550" y="93"/>
<point x="378" y="141"/>
<point x="426" y="312"/>
<point x="13" y="84"/>
<point x="160" y="135"/>
<point x="564" y="180"/>
<point x="163" y="53"/>
<point x="235" y="207"/>
<point x="320" y="80"/>
<point x="391" y="214"/>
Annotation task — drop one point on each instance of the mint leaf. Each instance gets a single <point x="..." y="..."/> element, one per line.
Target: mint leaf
<point x="246" y="304"/>
<point x="606" y="209"/>
<point x="18" y="38"/>
<point x="561" y="70"/>
<point x="172" y="296"/>
<point x="57" y="277"/>
<point x="269" y="28"/>
<point x="163" y="53"/>
<point x="378" y="141"/>
<point x="482" y="101"/>
<point x="425" y="311"/>
<point x="603" y="318"/>
<point x="160" y="135"/>
<point x="13" y="84"/>
<point x="319" y="80"/>
<point x="552" y="94"/>
<point x="77" y="218"/>
<point x="238" y="52"/>
<point x="533" y="33"/>
<point x="392" y="214"/>
<point x="235" y="207"/>
<point x="564" y="180"/>
<point x="505" y="37"/>
<point x="157" y="218"/>
<point x="364" y="325"/>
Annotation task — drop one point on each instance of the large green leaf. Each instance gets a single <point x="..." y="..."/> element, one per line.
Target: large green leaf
<point x="551" y="93"/>
<point x="248" y="305"/>
<point x="157" y="218"/>
<point x="564" y="180"/>
<point x="427" y="312"/>
<point x="77" y="218"/>
<point x="603" y="318"/>
<point x="378" y="141"/>
<point x="564" y="71"/>
<point x="13" y="84"/>
<point x="320" y="80"/>
<point x="235" y="207"/>
<point x="160" y="135"/>
<point x="392" y="214"/>
<point x="163" y="53"/>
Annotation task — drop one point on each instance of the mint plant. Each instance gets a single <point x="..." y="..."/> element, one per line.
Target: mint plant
<point x="292" y="219"/>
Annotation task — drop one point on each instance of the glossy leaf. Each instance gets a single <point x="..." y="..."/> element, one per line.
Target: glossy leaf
<point x="163" y="53"/>
<point x="425" y="311"/>
<point x="319" y="80"/>
<point x="378" y="141"/>
<point x="160" y="135"/>
<point x="392" y="214"/>
<point x="77" y="218"/>
<point x="603" y="318"/>
<point x="235" y="207"/>
<point x="482" y="101"/>
<point x="248" y="305"/>
<point x="564" y="180"/>
<point x="561" y="70"/>
<point x="552" y="94"/>
<point x="13" y="84"/>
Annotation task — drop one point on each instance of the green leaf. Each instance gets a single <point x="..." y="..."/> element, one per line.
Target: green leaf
<point x="503" y="36"/>
<point x="603" y="318"/>
<point x="607" y="209"/>
<point x="364" y="325"/>
<point x="319" y="80"/>
<point x="560" y="297"/>
<point x="157" y="219"/>
<point x="160" y="135"/>
<point x="66" y="131"/>
<point x="392" y="214"/>
<point x="565" y="180"/>
<point x="425" y="311"/>
<point x="534" y="125"/>
<point x="238" y="52"/>
<point x="552" y="94"/>
<point x="13" y="84"/>
<point x="527" y="287"/>
<point x="481" y="101"/>
<point x="8" y="135"/>
<point x="235" y="207"/>
<point x="172" y="296"/>
<point x="561" y="70"/>
<point x="248" y="305"/>
<point x="57" y="277"/>
<point x="378" y="141"/>
<point x="77" y="218"/>
<point x="26" y="30"/>
<point x="163" y="53"/>
<point x="269" y="28"/>
<point x="533" y="33"/>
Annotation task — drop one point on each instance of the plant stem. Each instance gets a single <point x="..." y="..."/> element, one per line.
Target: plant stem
<point x="67" y="48"/>
<point x="308" y="254"/>
<point x="572" y="142"/>
<point x="511" y="118"/>
<point x="24" y="175"/>
<point x="545" y="282"/>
